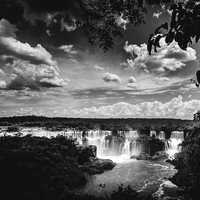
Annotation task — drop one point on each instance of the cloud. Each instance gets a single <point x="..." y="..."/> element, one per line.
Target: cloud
<point x="24" y="66"/>
<point x="129" y="48"/>
<point x="10" y="45"/>
<point x="132" y="79"/>
<point x="98" y="68"/>
<point x="168" y="59"/>
<point x="37" y="54"/>
<point x="2" y="84"/>
<point x="124" y="65"/>
<point x="69" y="49"/>
<point x="108" y="77"/>
<point x="7" y="29"/>
<point x="175" y="108"/>
<point x="132" y="82"/>
<point x="21" y="74"/>
<point x="162" y="79"/>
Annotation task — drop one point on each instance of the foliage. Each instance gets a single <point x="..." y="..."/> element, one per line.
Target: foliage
<point x="187" y="163"/>
<point x="38" y="168"/>
<point x="100" y="19"/>
<point x="47" y="169"/>
<point x="184" y="25"/>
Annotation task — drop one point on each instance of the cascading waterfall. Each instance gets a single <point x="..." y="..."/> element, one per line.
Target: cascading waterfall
<point x="122" y="147"/>
<point x="118" y="148"/>
<point x="172" y="146"/>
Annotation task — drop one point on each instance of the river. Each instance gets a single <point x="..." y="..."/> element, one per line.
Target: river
<point x="139" y="174"/>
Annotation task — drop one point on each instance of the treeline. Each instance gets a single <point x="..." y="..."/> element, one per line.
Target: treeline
<point x="94" y="123"/>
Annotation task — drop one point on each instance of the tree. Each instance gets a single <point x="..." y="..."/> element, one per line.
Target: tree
<point x="184" y="25"/>
<point x="197" y="116"/>
<point x="101" y="20"/>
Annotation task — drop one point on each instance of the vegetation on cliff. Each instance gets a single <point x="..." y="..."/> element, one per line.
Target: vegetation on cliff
<point x="187" y="163"/>
<point x="38" y="168"/>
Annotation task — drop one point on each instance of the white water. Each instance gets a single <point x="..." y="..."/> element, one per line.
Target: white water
<point x="119" y="149"/>
<point x="173" y="144"/>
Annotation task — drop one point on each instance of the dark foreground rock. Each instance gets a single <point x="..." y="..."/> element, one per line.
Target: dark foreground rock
<point x="187" y="163"/>
<point x="98" y="166"/>
<point x="38" y="168"/>
<point x="86" y="153"/>
<point x="168" y="191"/>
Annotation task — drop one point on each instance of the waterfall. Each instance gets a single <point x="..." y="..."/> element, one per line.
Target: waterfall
<point x="172" y="146"/>
<point x="118" y="148"/>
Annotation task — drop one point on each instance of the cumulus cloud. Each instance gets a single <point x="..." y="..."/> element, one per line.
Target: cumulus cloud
<point x="37" y="54"/>
<point x="132" y="79"/>
<point x="109" y="77"/>
<point x="20" y="74"/>
<point x="169" y="58"/>
<point x="132" y="82"/>
<point x="10" y="45"/>
<point x="2" y="84"/>
<point x="129" y="48"/>
<point x="69" y="49"/>
<point x="175" y="108"/>
<point x="24" y="66"/>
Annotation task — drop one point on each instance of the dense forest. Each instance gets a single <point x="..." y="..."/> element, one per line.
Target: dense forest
<point x="104" y="124"/>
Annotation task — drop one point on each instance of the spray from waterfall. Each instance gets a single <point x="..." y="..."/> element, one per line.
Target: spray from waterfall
<point x="118" y="148"/>
<point x="173" y="145"/>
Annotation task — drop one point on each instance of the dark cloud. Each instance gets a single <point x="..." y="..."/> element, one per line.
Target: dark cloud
<point x="12" y="11"/>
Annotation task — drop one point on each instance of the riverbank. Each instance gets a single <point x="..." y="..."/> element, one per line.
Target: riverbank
<point x="187" y="163"/>
<point x="42" y="168"/>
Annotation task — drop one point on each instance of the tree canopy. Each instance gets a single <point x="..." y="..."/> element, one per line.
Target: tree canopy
<point x="184" y="27"/>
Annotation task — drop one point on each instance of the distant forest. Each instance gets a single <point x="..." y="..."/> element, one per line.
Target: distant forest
<point x="94" y="123"/>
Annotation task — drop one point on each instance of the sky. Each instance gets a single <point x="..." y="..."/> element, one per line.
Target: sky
<point x="61" y="75"/>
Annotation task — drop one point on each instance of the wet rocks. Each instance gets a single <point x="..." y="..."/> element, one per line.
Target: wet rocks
<point x="160" y="155"/>
<point x="168" y="191"/>
<point x="86" y="153"/>
<point x="142" y="156"/>
<point x="98" y="166"/>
